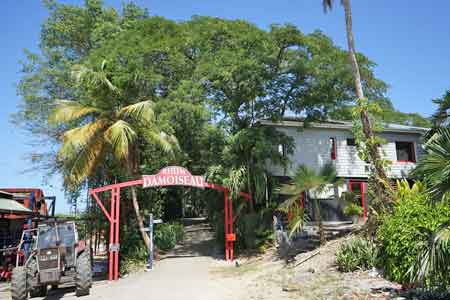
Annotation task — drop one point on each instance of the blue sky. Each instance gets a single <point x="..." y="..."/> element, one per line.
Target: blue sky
<point x="409" y="40"/>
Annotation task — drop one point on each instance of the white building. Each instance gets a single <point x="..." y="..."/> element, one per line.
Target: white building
<point x="332" y="141"/>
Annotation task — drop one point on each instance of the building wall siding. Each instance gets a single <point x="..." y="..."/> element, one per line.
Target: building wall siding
<point x="313" y="148"/>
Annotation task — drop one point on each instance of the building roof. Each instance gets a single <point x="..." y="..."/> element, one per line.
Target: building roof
<point x="12" y="207"/>
<point x="346" y="125"/>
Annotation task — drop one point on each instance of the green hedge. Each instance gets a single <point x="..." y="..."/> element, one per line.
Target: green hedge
<point x="168" y="235"/>
<point x="403" y="234"/>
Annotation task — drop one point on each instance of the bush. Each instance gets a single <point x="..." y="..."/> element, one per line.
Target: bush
<point x="253" y="231"/>
<point x="403" y="234"/>
<point x="357" y="254"/>
<point x="353" y="209"/>
<point x="168" y="235"/>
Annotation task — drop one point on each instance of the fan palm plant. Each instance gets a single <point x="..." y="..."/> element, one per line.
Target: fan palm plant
<point x="434" y="168"/>
<point x="307" y="180"/>
<point x="105" y="126"/>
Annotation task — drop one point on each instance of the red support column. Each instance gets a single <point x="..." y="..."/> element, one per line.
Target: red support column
<point x="226" y="224"/>
<point x="116" y="253"/>
<point x="111" y="235"/>
<point x="230" y="230"/>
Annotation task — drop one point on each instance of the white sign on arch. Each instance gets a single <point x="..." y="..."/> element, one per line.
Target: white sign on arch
<point x="171" y="176"/>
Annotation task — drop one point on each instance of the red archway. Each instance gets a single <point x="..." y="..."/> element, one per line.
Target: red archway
<point x="169" y="176"/>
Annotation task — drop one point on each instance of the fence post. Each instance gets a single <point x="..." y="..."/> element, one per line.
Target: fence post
<point x="150" y="233"/>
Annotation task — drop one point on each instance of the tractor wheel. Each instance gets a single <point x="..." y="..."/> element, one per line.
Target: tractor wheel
<point x="19" y="284"/>
<point x="83" y="277"/>
<point x="35" y="291"/>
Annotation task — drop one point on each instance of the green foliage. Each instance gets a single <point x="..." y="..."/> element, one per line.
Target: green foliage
<point x="306" y="180"/>
<point x="404" y="234"/>
<point x="168" y="235"/>
<point x="441" y="117"/>
<point x="254" y="230"/>
<point x="385" y="114"/>
<point x="353" y="209"/>
<point x="357" y="254"/>
<point x="434" y="166"/>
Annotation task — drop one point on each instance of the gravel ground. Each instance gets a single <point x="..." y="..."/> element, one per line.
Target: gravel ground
<point x="309" y="276"/>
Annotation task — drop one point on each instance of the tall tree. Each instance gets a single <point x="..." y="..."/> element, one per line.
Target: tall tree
<point x="104" y="123"/>
<point x="381" y="181"/>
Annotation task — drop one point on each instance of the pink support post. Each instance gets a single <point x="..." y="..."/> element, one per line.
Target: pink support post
<point x="111" y="235"/>
<point x="230" y="224"/>
<point x="226" y="224"/>
<point x="116" y="253"/>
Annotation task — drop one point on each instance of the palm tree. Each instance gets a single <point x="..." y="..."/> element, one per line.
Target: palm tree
<point x="381" y="182"/>
<point x="442" y="116"/>
<point x="102" y="127"/>
<point x="306" y="181"/>
<point x="434" y="169"/>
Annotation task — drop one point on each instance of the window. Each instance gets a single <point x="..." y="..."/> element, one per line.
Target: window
<point x="333" y="148"/>
<point x="405" y="151"/>
<point x="351" y="142"/>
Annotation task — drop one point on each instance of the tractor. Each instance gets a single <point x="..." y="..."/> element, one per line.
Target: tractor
<point x="56" y="257"/>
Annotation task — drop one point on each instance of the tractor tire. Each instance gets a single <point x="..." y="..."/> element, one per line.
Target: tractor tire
<point x="83" y="277"/>
<point x="35" y="291"/>
<point x="19" y="284"/>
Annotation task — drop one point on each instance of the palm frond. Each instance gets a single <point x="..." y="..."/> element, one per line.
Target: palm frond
<point x="168" y="143"/>
<point x="434" y="260"/>
<point x="81" y="165"/>
<point x="141" y="111"/>
<point x="99" y="78"/>
<point x="236" y="180"/>
<point x="442" y="116"/>
<point x="75" y="139"/>
<point x="298" y="221"/>
<point x="68" y="111"/>
<point x="434" y="166"/>
<point x="120" y="136"/>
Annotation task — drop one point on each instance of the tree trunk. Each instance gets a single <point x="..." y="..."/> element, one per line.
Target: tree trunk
<point x="374" y="154"/>
<point x="139" y="218"/>
<point x="318" y="215"/>
<point x="133" y="171"/>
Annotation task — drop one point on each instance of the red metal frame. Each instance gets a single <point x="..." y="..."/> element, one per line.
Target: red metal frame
<point x="113" y="217"/>
<point x="363" y="195"/>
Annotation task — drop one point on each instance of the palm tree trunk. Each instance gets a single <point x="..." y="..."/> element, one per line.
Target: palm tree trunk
<point x="133" y="170"/>
<point x="318" y="215"/>
<point x="139" y="217"/>
<point x="365" y="120"/>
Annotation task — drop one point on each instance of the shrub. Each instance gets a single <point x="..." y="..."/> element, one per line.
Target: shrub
<point x="356" y="254"/>
<point x="253" y="231"/>
<point x="168" y="235"/>
<point x="353" y="209"/>
<point x="403" y="234"/>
